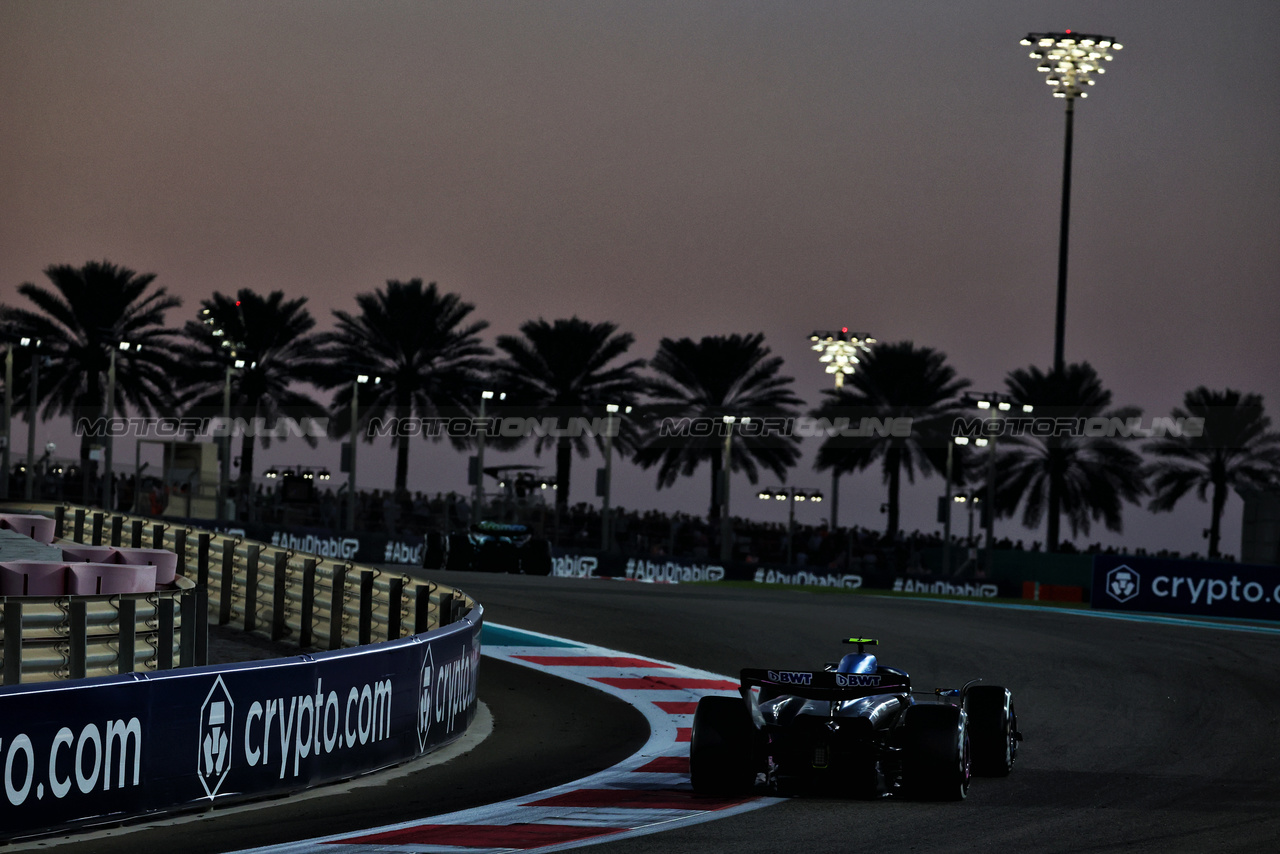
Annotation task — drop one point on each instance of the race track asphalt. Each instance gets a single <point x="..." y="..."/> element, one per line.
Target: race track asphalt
<point x="1140" y="737"/>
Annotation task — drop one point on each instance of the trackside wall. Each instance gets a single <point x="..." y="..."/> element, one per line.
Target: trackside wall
<point x="118" y="747"/>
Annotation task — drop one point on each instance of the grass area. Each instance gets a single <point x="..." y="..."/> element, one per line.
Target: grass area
<point x="868" y="591"/>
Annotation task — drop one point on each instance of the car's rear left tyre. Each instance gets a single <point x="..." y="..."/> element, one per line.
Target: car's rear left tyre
<point x="936" y="763"/>
<point x="723" y="751"/>
<point x="993" y="729"/>
<point x="433" y="550"/>
<point x="460" y="553"/>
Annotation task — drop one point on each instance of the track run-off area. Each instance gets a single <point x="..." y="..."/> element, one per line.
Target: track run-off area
<point x="1141" y="735"/>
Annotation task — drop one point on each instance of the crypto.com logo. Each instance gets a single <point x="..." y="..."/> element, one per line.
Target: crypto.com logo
<point x="424" y="700"/>
<point x="1123" y="583"/>
<point x="217" y="716"/>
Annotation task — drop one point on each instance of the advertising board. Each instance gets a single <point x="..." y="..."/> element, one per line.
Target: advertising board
<point x="1196" y="587"/>
<point x="123" y="746"/>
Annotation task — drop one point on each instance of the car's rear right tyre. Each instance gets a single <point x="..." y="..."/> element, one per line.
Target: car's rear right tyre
<point x="535" y="557"/>
<point x="723" y="751"/>
<point x="433" y="550"/>
<point x="936" y="763"/>
<point x="993" y="729"/>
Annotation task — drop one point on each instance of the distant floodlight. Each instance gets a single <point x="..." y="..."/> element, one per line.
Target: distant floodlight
<point x="1070" y="59"/>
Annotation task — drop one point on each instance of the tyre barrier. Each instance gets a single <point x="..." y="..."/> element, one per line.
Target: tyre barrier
<point x="397" y="680"/>
<point x="277" y="593"/>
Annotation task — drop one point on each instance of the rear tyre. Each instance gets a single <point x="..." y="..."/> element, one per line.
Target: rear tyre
<point x="936" y="752"/>
<point x="993" y="729"/>
<point x="723" y="755"/>
<point x="535" y="557"/>
<point x="460" y="553"/>
<point x="433" y="550"/>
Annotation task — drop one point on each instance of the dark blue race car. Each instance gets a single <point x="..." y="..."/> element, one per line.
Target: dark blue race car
<point x="854" y="728"/>
<point x="489" y="547"/>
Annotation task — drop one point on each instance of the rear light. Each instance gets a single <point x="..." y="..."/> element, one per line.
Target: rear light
<point x="821" y="756"/>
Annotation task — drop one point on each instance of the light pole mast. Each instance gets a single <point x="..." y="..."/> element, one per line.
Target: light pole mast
<point x="32" y="413"/>
<point x="8" y="419"/>
<point x="1070" y="61"/>
<point x="996" y="405"/>
<point x="108" y="502"/>
<point x="359" y="380"/>
<point x="838" y="352"/>
<point x="726" y="465"/>
<point x="606" y="521"/>
<point x="791" y="495"/>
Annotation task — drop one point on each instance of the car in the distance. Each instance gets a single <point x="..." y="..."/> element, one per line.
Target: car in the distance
<point x="489" y="547"/>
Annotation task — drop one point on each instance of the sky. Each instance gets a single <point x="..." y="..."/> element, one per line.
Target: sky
<point x="680" y="168"/>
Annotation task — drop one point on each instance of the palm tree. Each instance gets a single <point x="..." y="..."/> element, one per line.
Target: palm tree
<point x="80" y="321"/>
<point x="1084" y="477"/>
<point x="274" y="338"/>
<point x="1234" y="450"/>
<point x="893" y="381"/>
<point x="706" y="380"/>
<point x="417" y="341"/>
<point x="569" y="368"/>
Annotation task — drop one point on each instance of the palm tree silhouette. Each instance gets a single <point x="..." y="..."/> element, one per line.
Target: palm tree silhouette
<point x="80" y="321"/>
<point x="417" y="340"/>
<point x="567" y="368"/>
<point x="1235" y="449"/>
<point x="898" y="380"/>
<point x="1085" y="478"/>
<point x="720" y="375"/>
<point x="275" y="339"/>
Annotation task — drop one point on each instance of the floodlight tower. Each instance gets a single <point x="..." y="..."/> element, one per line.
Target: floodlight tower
<point x="838" y="352"/>
<point x="1070" y="61"/>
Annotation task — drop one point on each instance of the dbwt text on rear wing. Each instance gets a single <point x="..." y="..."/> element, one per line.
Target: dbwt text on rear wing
<point x="824" y="684"/>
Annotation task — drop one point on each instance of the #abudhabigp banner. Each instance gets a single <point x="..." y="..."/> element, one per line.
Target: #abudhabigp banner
<point x="1200" y="588"/>
<point x="123" y="746"/>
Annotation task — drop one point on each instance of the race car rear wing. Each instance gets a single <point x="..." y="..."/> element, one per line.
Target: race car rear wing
<point x="824" y="684"/>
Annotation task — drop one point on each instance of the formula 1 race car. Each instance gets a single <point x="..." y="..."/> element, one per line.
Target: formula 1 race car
<point x="853" y="728"/>
<point x="489" y="547"/>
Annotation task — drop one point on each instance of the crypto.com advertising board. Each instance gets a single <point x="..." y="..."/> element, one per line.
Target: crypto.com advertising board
<point x="1200" y="588"/>
<point x="74" y="753"/>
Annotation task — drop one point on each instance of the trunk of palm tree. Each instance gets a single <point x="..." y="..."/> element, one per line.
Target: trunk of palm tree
<point x="893" y="462"/>
<point x="1055" y="498"/>
<point x="713" y="514"/>
<point x="85" y="443"/>
<point x="402" y="451"/>
<point x="1219" y="502"/>
<point x="564" y="455"/>
<point x="247" y="444"/>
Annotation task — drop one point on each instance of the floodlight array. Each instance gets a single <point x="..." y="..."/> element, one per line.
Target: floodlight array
<point x="1070" y="60"/>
